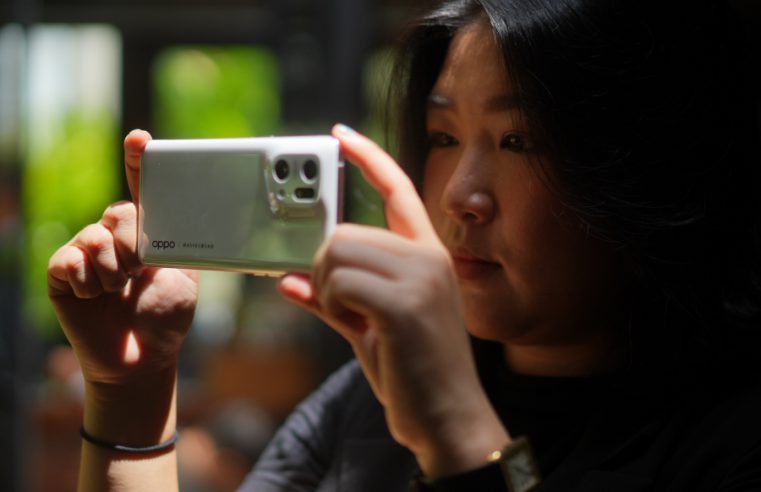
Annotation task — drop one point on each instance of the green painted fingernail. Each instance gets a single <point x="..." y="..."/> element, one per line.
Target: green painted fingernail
<point x="345" y="129"/>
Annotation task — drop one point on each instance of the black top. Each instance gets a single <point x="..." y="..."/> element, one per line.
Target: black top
<point x="614" y="432"/>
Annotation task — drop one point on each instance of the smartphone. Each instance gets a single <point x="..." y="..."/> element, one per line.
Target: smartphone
<point x="254" y="205"/>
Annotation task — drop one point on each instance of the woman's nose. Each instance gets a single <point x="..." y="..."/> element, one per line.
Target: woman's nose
<point x="468" y="197"/>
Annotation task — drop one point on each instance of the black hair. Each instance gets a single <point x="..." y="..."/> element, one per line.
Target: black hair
<point x="647" y="114"/>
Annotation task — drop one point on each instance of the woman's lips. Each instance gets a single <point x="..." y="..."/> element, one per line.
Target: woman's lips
<point x="469" y="267"/>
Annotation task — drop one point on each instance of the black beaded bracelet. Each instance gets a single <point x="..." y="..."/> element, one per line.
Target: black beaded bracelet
<point x="128" y="449"/>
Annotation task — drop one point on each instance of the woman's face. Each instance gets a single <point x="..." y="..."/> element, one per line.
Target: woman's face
<point x="529" y="273"/>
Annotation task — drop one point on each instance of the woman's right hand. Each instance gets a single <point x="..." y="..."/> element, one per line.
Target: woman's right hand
<point x="125" y="322"/>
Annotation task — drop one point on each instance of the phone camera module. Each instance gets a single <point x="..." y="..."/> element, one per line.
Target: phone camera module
<point x="309" y="171"/>
<point x="282" y="170"/>
<point x="304" y="193"/>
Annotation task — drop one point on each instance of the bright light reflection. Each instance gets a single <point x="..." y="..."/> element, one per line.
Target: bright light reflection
<point x="131" y="349"/>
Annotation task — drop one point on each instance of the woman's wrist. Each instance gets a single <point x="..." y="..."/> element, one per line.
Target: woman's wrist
<point x="463" y="444"/>
<point x="140" y="414"/>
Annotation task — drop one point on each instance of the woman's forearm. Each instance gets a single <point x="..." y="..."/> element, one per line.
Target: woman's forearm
<point x="137" y="417"/>
<point x="101" y="470"/>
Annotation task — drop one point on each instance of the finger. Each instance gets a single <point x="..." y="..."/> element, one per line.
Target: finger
<point x="98" y="243"/>
<point x="58" y="276"/>
<point x="405" y="212"/>
<point x="351" y="293"/>
<point x="374" y="237"/>
<point x="121" y="219"/>
<point x="70" y="266"/>
<point x="134" y="145"/>
<point x="297" y="289"/>
<point x="377" y="251"/>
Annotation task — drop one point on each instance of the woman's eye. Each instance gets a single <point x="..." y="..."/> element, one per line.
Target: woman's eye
<point x="516" y="142"/>
<point x="440" y="139"/>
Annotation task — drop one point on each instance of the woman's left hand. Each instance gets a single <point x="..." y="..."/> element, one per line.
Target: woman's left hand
<point x="393" y="295"/>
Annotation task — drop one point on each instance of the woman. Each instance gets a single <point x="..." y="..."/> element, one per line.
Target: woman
<point x="587" y="174"/>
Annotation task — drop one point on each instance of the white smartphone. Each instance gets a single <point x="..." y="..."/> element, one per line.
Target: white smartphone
<point x="255" y="205"/>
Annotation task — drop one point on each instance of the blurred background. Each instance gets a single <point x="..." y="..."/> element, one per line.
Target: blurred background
<point x="75" y="77"/>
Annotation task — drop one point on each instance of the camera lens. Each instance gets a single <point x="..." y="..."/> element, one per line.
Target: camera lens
<point x="309" y="170"/>
<point x="282" y="170"/>
<point x="304" y="193"/>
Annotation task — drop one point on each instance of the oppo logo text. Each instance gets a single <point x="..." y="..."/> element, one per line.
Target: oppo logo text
<point x="163" y="244"/>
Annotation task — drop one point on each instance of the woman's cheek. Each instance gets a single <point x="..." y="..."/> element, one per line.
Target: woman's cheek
<point x="435" y="179"/>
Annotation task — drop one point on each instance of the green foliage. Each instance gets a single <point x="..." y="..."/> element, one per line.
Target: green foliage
<point x="204" y="92"/>
<point x="67" y="182"/>
<point x="376" y="76"/>
<point x="363" y="203"/>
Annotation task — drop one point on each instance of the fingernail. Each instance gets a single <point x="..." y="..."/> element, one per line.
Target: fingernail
<point x="118" y="204"/>
<point x="341" y="128"/>
<point x="292" y="287"/>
